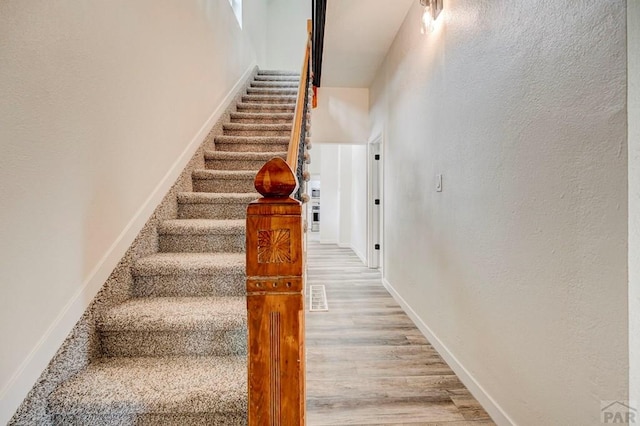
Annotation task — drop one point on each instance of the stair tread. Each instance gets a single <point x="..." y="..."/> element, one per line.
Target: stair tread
<point x="159" y="385"/>
<point x="272" y="91"/>
<point x="224" y="174"/>
<point x="257" y="126"/>
<point x="201" y="226"/>
<point x="292" y="84"/>
<point x="232" y="155"/>
<point x="283" y="89"/>
<point x="279" y="72"/>
<point x="276" y="78"/>
<point x="289" y="98"/>
<point x="292" y="81"/>
<point x="219" y="198"/>
<point x="263" y="115"/>
<point x="175" y="313"/>
<point x="265" y="106"/>
<point x="251" y="139"/>
<point x="199" y="263"/>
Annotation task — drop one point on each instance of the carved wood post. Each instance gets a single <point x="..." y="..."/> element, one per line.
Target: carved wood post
<point x="275" y="300"/>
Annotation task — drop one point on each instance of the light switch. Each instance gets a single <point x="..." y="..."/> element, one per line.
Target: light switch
<point x="439" y="183"/>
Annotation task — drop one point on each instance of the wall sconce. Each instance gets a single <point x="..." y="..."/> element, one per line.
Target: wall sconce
<point x="432" y="9"/>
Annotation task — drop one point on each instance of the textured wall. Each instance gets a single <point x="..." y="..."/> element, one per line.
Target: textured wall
<point x="101" y="103"/>
<point x="633" y="40"/>
<point x="519" y="266"/>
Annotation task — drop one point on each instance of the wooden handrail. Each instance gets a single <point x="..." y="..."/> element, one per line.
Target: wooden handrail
<point x="296" y="133"/>
<point x="275" y="282"/>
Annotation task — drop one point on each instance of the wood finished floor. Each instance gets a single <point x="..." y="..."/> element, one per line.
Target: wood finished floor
<point x="367" y="363"/>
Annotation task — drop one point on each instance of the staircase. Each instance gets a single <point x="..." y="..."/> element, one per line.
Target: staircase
<point x="175" y="353"/>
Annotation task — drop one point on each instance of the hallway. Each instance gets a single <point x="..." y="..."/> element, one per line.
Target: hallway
<point x="366" y="361"/>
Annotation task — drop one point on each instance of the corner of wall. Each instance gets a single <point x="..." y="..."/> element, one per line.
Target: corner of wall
<point x="498" y="415"/>
<point x="633" y="109"/>
<point x="362" y="257"/>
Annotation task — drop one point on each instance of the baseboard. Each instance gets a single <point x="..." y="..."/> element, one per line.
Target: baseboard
<point x="490" y="405"/>
<point x="21" y="382"/>
<point x="362" y="257"/>
<point x="350" y="247"/>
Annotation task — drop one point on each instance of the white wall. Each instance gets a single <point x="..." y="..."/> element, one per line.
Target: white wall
<point x="330" y="193"/>
<point x="254" y="18"/>
<point x="342" y="115"/>
<point x="344" y="193"/>
<point x="316" y="159"/>
<point x="633" y="49"/>
<point x="518" y="269"/>
<point x="102" y="105"/>
<point x="358" y="211"/>
<point x="286" y="33"/>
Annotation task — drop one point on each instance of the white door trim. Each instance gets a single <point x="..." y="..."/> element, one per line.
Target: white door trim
<point x="375" y="224"/>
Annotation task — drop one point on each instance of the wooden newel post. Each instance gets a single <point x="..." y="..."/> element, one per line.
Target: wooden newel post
<point x="275" y="300"/>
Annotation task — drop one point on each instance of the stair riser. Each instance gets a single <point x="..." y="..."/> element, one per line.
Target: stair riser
<point x="234" y="164"/>
<point x="279" y="72"/>
<point x="257" y="132"/>
<point x="223" y="283"/>
<point x="276" y="78"/>
<point x="276" y="84"/>
<point x="164" y="419"/>
<point x="252" y="147"/>
<point x="125" y="343"/>
<point x="212" y="211"/>
<point x="261" y="120"/>
<point x="275" y="100"/>
<point x="223" y="185"/>
<point x="266" y="108"/>
<point x="189" y="243"/>
<point x="272" y="91"/>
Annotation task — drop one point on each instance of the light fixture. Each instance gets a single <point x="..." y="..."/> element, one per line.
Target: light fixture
<point x="432" y="9"/>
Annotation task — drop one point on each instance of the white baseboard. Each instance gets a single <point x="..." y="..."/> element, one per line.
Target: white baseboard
<point x="362" y="257"/>
<point x="16" y="388"/>
<point x="350" y="247"/>
<point x="490" y="405"/>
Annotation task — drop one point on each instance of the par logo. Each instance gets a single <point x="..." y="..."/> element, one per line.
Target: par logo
<point x="618" y="412"/>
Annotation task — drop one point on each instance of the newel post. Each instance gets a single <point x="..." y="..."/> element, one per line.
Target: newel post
<point x="275" y="300"/>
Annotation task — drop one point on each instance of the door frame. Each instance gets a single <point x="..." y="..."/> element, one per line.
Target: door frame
<point x="375" y="234"/>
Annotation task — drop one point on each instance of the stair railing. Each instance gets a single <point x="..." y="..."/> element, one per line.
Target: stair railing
<point x="275" y="279"/>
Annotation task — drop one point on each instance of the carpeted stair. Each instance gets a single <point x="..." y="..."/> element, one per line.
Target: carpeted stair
<point x="175" y="354"/>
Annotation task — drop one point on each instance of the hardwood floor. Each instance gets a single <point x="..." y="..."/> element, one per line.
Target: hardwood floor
<point x="367" y="363"/>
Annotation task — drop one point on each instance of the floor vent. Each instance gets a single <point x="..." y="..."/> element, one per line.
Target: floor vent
<point x="318" y="299"/>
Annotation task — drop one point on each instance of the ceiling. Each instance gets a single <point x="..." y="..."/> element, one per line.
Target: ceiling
<point x="358" y="34"/>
